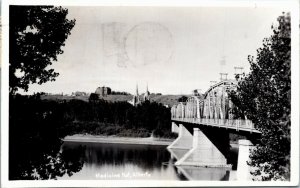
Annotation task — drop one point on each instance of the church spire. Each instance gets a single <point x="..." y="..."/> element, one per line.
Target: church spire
<point x="146" y="95"/>
<point x="137" y="94"/>
<point x="137" y="90"/>
<point x="147" y="89"/>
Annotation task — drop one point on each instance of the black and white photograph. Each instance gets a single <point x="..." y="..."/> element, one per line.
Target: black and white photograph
<point x="133" y="94"/>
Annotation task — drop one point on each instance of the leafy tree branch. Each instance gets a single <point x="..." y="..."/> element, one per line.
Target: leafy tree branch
<point x="36" y="35"/>
<point x="264" y="96"/>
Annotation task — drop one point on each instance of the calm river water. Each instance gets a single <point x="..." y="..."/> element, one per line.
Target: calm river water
<point x="132" y="161"/>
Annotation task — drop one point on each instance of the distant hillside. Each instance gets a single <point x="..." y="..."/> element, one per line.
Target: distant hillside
<point x="169" y="100"/>
<point x="115" y="98"/>
<point x="60" y="97"/>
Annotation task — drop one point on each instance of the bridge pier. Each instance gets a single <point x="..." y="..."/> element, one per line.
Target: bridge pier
<point x="174" y="128"/>
<point x="184" y="139"/>
<point x="243" y="170"/>
<point x="204" y="152"/>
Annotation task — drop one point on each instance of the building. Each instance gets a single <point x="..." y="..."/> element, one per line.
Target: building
<point x="137" y="99"/>
<point x="79" y="93"/>
<point x="147" y="95"/>
<point x="103" y="91"/>
<point x="197" y="92"/>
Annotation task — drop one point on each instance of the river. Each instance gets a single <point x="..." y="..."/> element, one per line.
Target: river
<point x="104" y="161"/>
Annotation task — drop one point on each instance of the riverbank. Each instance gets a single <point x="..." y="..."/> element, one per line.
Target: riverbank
<point x="118" y="140"/>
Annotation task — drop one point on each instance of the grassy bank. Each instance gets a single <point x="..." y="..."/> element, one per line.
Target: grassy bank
<point x="117" y="139"/>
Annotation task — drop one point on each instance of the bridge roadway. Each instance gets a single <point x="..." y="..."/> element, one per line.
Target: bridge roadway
<point x="235" y="124"/>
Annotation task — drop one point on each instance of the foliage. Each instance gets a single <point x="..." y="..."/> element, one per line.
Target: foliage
<point x="105" y="129"/>
<point x="93" y="97"/>
<point x="119" y="93"/>
<point x="34" y="140"/>
<point x="183" y="99"/>
<point x="147" y="115"/>
<point x="264" y="96"/>
<point x="36" y="35"/>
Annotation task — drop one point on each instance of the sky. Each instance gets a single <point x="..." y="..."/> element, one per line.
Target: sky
<point x="172" y="49"/>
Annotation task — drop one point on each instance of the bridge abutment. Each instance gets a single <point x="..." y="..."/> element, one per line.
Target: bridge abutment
<point x="204" y="152"/>
<point x="243" y="169"/>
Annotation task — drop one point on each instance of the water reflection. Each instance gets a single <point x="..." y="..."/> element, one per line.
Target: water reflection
<point x="202" y="173"/>
<point x="130" y="161"/>
<point x="124" y="161"/>
<point x="96" y="161"/>
<point x="43" y="160"/>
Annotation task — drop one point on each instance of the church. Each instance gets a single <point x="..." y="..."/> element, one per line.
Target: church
<point x="137" y="99"/>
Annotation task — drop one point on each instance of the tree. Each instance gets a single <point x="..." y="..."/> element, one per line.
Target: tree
<point x="93" y="97"/>
<point x="36" y="35"/>
<point x="264" y="96"/>
<point x="182" y="99"/>
<point x="36" y="128"/>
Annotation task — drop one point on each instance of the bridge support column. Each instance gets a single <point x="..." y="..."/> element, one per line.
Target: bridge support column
<point x="204" y="152"/>
<point x="174" y="128"/>
<point x="243" y="170"/>
<point x="184" y="139"/>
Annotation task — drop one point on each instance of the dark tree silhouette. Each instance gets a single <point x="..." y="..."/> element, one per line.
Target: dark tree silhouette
<point x="183" y="99"/>
<point x="93" y="97"/>
<point x="36" y="35"/>
<point x="35" y="140"/>
<point x="264" y="96"/>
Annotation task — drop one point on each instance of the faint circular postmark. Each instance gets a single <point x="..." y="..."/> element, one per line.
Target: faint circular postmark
<point x="148" y="43"/>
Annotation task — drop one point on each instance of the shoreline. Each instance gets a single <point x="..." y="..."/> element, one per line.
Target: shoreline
<point x="118" y="140"/>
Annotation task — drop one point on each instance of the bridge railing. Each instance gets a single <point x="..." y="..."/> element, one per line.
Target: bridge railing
<point x="227" y="123"/>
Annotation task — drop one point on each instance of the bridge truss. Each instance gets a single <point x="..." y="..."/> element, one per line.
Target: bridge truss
<point x="214" y="108"/>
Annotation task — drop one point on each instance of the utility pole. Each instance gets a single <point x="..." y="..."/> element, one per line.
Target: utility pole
<point x="223" y="74"/>
<point x="238" y="71"/>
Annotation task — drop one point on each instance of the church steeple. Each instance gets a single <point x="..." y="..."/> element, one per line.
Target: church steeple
<point x="138" y="99"/>
<point x="137" y="90"/>
<point x="147" y="89"/>
<point x="146" y="95"/>
<point x="137" y="94"/>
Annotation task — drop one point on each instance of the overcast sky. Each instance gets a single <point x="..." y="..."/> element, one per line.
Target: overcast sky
<point x="174" y="50"/>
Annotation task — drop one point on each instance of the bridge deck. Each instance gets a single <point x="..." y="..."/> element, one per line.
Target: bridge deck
<point x="237" y="124"/>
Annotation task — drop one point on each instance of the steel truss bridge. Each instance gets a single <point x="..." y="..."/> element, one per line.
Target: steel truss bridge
<point x="214" y="108"/>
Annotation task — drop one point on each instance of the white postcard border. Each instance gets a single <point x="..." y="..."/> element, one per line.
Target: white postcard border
<point x="293" y="5"/>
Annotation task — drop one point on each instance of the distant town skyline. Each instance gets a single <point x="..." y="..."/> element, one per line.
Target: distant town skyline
<point x="173" y="49"/>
